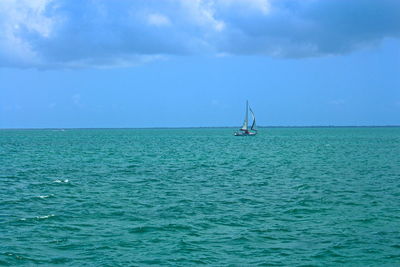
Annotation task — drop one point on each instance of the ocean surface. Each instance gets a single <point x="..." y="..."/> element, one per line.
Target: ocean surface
<point x="187" y="197"/>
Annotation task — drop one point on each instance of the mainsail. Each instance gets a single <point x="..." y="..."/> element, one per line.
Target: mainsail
<point x="253" y="125"/>
<point x="246" y="118"/>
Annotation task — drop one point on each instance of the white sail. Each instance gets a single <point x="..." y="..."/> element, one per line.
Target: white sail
<point x="253" y="125"/>
<point x="245" y="126"/>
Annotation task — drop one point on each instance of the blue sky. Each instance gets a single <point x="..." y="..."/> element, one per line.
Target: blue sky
<point x="172" y="63"/>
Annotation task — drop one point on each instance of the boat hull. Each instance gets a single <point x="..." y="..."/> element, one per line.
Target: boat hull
<point x="244" y="134"/>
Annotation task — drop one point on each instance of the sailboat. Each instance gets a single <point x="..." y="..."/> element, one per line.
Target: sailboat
<point x="245" y="131"/>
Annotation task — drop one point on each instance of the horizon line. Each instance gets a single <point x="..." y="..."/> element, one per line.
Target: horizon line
<point x="202" y="127"/>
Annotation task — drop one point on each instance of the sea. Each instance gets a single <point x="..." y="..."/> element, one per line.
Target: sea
<point x="200" y="196"/>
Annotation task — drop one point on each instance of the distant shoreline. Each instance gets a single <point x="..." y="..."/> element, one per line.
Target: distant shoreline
<point x="201" y="127"/>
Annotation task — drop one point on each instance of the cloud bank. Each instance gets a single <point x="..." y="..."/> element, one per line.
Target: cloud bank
<point x="103" y="33"/>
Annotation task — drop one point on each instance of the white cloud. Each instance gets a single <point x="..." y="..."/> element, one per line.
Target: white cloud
<point x="158" y="20"/>
<point x="103" y="33"/>
<point x="19" y="19"/>
<point x="202" y="13"/>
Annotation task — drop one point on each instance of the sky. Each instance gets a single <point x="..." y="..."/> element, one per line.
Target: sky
<point x="189" y="63"/>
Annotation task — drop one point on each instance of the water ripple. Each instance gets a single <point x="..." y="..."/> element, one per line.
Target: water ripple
<point x="288" y="197"/>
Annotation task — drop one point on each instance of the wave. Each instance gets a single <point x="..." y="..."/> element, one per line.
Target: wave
<point x="61" y="181"/>
<point x="44" y="217"/>
<point x="44" y="196"/>
<point x="38" y="217"/>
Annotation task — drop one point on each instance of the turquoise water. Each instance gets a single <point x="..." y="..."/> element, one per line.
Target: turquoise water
<point x="183" y="197"/>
